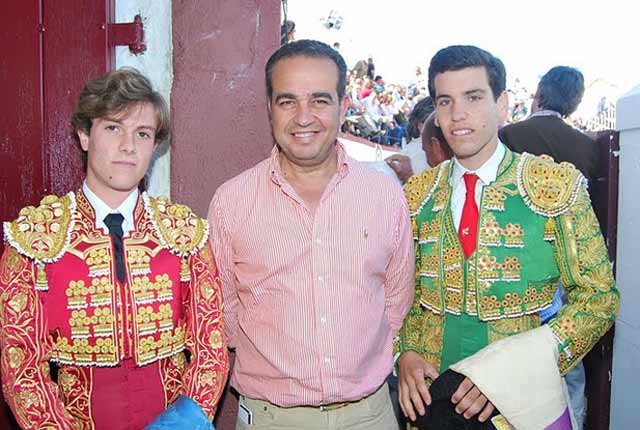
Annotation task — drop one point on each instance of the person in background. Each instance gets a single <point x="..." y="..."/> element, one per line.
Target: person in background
<point x="558" y="95"/>
<point x="432" y="151"/>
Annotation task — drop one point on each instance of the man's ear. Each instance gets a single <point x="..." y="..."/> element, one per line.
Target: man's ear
<point x="344" y="106"/>
<point x="84" y="139"/>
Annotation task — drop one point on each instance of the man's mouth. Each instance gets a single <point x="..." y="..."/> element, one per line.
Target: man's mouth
<point x="462" y="132"/>
<point x="304" y="134"/>
<point x="125" y="163"/>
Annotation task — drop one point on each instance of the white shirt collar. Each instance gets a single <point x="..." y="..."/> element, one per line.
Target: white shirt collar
<point x="487" y="172"/>
<point x="101" y="209"/>
<point x="546" y="112"/>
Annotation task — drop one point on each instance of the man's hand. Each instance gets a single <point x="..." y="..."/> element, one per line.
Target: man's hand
<point x="401" y="164"/>
<point x="412" y="388"/>
<point x="470" y="401"/>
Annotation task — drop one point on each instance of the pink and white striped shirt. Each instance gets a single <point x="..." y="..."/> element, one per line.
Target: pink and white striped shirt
<point x="312" y="301"/>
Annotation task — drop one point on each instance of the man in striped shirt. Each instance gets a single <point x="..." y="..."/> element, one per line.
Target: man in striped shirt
<point x="316" y="260"/>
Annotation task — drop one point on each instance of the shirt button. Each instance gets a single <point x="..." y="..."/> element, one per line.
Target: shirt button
<point x="318" y="241"/>
<point x="320" y="278"/>
<point x="327" y="360"/>
<point x="323" y="320"/>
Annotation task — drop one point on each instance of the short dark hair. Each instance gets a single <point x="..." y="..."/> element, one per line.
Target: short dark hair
<point x="419" y="114"/>
<point x="114" y="93"/>
<point x="561" y="89"/>
<point x="311" y="49"/>
<point x="458" y="57"/>
<point x="286" y="29"/>
<point x="432" y="130"/>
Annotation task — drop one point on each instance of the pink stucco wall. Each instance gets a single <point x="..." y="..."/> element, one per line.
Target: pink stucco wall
<point x="218" y="103"/>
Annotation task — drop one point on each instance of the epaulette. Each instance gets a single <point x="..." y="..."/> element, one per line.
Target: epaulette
<point x="180" y="231"/>
<point x="419" y="188"/>
<point x="547" y="187"/>
<point x="42" y="233"/>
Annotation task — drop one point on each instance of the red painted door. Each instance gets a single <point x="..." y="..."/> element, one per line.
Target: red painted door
<point x="49" y="50"/>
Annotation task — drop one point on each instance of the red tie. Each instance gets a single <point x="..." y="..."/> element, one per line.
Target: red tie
<point x="468" y="230"/>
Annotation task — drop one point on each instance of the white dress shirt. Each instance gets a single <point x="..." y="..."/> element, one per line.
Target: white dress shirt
<point x="102" y="209"/>
<point x="486" y="173"/>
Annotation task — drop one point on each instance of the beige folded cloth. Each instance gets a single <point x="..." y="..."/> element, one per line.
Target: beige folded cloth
<point x="520" y="376"/>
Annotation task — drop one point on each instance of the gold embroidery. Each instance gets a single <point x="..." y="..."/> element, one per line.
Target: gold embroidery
<point x="98" y="260"/>
<point x="170" y="342"/>
<point x="429" y="231"/>
<point x="150" y="322"/>
<point x="171" y="371"/>
<point x="548" y="188"/>
<point x="433" y="326"/>
<point x="430" y="265"/>
<point x="178" y="228"/>
<point x="493" y="198"/>
<point x="76" y="386"/>
<point x="505" y="327"/>
<point x="139" y="259"/>
<point x="99" y="293"/>
<point x="215" y="339"/>
<point x="42" y="233"/>
<point x="146" y="291"/>
<point x="80" y="352"/>
<point x="440" y="199"/>
<point x="586" y="274"/>
<point x="16" y="357"/>
<point x="513" y="236"/>
<point x="452" y="258"/>
<point x="18" y="302"/>
<point x="490" y="231"/>
<point x="487" y="266"/>
<point x="549" y="230"/>
<point x="419" y="188"/>
<point x="10" y="265"/>
<point x="511" y="269"/>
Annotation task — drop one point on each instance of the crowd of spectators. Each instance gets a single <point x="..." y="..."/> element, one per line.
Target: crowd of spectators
<point x="380" y="111"/>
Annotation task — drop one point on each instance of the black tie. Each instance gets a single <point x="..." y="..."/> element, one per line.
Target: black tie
<point x="114" y="224"/>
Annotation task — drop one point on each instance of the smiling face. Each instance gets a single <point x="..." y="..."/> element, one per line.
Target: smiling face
<point x="468" y="114"/>
<point x="119" y="150"/>
<point x="305" y="111"/>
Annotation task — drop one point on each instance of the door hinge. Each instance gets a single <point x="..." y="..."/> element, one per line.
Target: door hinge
<point x="128" y="33"/>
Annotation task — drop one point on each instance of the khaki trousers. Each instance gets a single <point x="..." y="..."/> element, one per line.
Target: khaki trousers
<point x="371" y="413"/>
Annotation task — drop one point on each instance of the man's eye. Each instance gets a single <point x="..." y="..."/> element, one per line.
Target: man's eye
<point x="443" y="103"/>
<point x="285" y="103"/>
<point x="112" y="127"/>
<point x="144" y="135"/>
<point x="320" y="102"/>
<point x="475" y="98"/>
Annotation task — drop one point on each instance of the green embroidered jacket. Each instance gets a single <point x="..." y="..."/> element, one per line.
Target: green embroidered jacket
<point x="536" y="227"/>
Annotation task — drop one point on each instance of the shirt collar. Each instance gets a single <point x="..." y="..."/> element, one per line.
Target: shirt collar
<point x="545" y="112"/>
<point x="487" y="172"/>
<point x="101" y="209"/>
<point x="344" y="163"/>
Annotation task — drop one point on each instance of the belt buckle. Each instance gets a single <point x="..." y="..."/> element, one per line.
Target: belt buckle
<point x="332" y="406"/>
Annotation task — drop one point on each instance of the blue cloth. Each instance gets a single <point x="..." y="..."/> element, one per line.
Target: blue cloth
<point x="185" y="414"/>
<point x="556" y="304"/>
